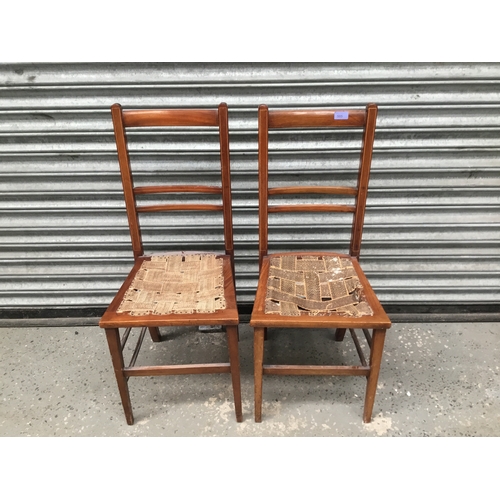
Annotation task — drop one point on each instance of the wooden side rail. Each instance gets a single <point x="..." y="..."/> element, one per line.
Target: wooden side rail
<point x="190" y="369"/>
<point x="315" y="370"/>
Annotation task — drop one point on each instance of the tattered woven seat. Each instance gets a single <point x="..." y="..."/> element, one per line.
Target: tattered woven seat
<point x="176" y="284"/>
<point x="315" y="286"/>
<point x="174" y="289"/>
<point x="317" y="289"/>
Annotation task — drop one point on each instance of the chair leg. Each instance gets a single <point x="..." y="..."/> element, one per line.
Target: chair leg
<point x="154" y="331"/>
<point x="258" y="354"/>
<point x="115" y="349"/>
<point x="234" y="361"/>
<point x="375" y="361"/>
<point x="339" y="334"/>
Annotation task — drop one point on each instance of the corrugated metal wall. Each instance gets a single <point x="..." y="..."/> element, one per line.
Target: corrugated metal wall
<point x="432" y="228"/>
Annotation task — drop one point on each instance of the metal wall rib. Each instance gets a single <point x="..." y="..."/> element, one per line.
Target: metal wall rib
<point x="432" y="224"/>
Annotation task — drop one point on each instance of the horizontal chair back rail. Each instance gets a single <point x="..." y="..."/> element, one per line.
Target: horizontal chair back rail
<point x="184" y="188"/>
<point x="178" y="207"/>
<point x="170" y="118"/>
<point x="320" y="118"/>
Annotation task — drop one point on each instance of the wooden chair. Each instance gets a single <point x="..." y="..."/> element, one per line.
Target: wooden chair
<point x="317" y="289"/>
<point x="171" y="290"/>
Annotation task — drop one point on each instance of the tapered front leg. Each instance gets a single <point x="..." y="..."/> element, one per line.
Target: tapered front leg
<point x="375" y="362"/>
<point x="113" y="337"/>
<point x="258" y="354"/>
<point x="234" y="360"/>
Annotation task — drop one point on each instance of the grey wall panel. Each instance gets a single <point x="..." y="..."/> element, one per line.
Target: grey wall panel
<point x="432" y="233"/>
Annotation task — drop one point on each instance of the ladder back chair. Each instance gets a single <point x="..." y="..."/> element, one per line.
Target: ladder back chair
<point x="317" y="289"/>
<point x="173" y="289"/>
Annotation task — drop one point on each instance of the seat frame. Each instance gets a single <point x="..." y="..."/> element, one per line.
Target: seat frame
<point x="112" y="321"/>
<point x="379" y="322"/>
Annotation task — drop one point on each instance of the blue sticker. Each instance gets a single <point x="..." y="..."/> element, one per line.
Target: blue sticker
<point x="341" y="115"/>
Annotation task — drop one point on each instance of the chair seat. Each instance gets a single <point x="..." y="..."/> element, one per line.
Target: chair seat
<point x="315" y="290"/>
<point x="175" y="289"/>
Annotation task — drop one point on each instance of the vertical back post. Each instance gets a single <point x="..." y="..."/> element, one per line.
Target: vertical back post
<point x="226" y="181"/>
<point x="363" y="178"/>
<point x="127" y="181"/>
<point x="263" y="118"/>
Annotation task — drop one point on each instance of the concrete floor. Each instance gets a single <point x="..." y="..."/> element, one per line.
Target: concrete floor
<point x="436" y="380"/>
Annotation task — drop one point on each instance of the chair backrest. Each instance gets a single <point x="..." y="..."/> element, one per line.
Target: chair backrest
<point x="293" y="119"/>
<point x="123" y="120"/>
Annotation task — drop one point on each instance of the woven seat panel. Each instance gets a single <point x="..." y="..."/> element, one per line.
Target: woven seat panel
<point x="314" y="286"/>
<point x="176" y="284"/>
